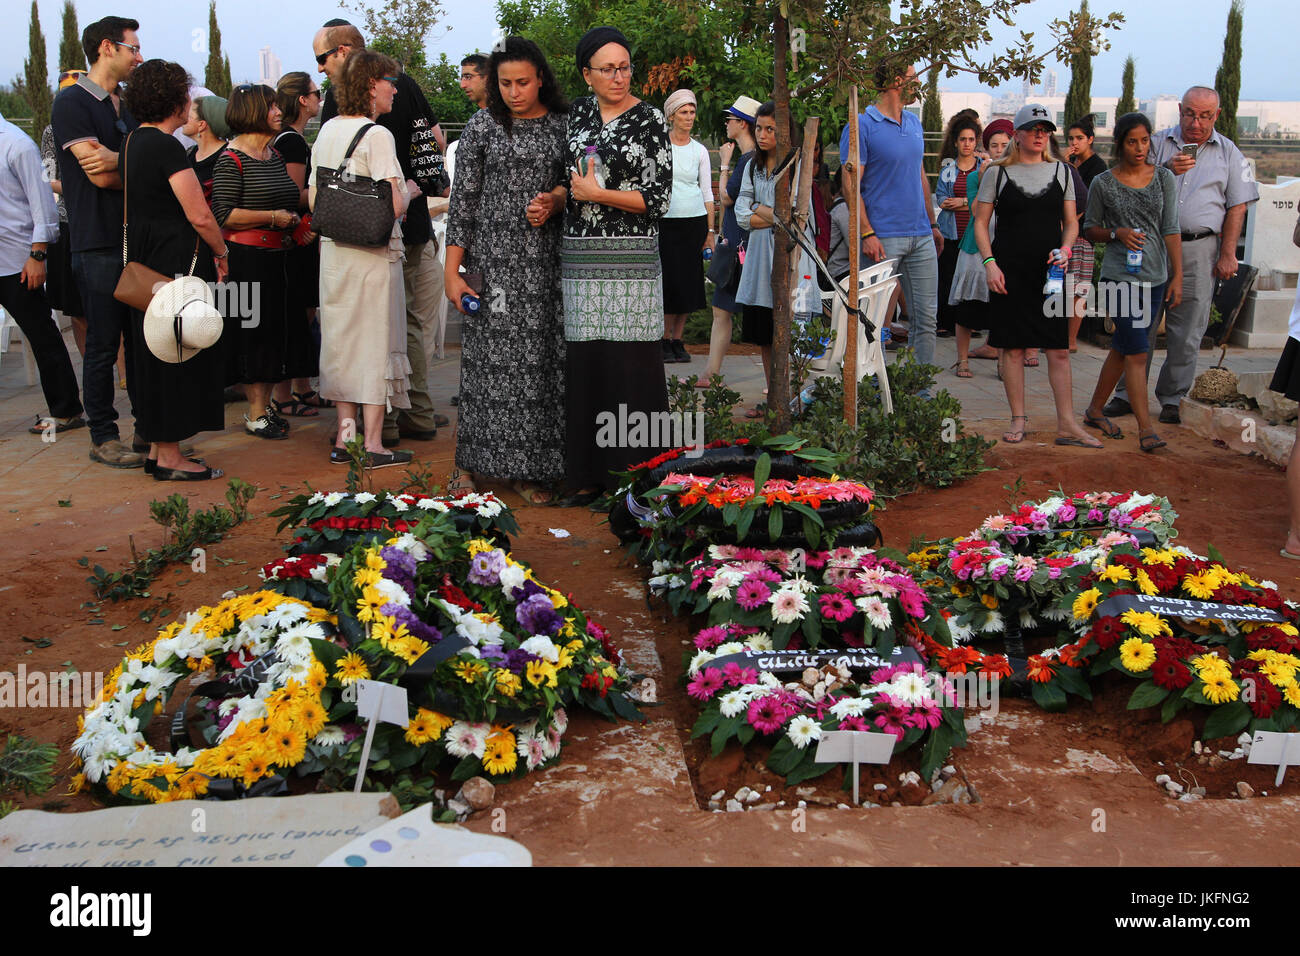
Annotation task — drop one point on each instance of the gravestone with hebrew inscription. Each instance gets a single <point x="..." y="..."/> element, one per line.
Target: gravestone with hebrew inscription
<point x="1270" y="224"/>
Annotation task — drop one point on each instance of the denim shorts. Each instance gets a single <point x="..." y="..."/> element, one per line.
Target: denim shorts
<point x="1135" y="309"/>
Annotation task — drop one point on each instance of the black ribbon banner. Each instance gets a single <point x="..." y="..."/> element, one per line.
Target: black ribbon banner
<point x="798" y="661"/>
<point x="1179" y="607"/>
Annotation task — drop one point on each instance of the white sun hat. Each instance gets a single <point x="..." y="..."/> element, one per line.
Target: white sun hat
<point x="181" y="320"/>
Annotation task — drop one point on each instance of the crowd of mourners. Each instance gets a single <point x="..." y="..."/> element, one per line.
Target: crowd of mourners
<point x="577" y="239"/>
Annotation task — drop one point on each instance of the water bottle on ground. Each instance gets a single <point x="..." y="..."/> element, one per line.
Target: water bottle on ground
<point x="593" y="163"/>
<point x="1133" y="263"/>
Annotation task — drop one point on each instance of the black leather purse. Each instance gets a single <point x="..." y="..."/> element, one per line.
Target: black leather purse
<point x="354" y="209"/>
<point x="724" y="267"/>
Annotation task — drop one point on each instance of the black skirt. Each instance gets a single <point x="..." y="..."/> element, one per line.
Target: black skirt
<point x="274" y="338"/>
<point x="756" y="326"/>
<point x="681" y="242"/>
<point x="1286" y="379"/>
<point x="60" y="285"/>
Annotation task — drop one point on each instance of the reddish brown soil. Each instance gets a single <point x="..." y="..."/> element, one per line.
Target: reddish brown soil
<point x="629" y="793"/>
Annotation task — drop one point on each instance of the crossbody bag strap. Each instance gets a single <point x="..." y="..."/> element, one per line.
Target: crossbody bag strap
<point x="125" y="144"/>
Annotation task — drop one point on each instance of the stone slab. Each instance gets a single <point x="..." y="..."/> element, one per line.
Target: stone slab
<point x="413" y="839"/>
<point x="262" y="831"/>
<point x="1242" y="430"/>
<point x="1273" y="406"/>
<point x="1269" y="227"/>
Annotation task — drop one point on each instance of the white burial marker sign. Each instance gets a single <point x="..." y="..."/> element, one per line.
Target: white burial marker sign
<point x="1272" y="747"/>
<point x="378" y="702"/>
<point x="854" y="747"/>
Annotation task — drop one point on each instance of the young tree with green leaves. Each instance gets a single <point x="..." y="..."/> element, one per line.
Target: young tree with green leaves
<point x="1127" y="103"/>
<point x="36" y="76"/>
<point x="1078" y="98"/>
<point x="216" y="77"/>
<point x="399" y="28"/>
<point x="1228" y="78"/>
<point x="71" y="55"/>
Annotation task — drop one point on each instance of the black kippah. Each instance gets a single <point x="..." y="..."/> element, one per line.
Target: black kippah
<point x="596" y="38"/>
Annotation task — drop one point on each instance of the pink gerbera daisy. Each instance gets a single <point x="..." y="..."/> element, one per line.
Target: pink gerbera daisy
<point x="836" y="607"/>
<point x="853" y="723"/>
<point x="766" y="715"/>
<point x="710" y="637"/>
<point x="705" y="684"/>
<point x="752" y="593"/>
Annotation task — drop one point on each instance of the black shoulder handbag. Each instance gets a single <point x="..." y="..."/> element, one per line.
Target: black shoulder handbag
<point x="354" y="209"/>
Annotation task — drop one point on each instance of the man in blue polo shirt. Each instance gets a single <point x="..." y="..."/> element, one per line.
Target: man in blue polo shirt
<point x="898" y="219"/>
<point x="91" y="126"/>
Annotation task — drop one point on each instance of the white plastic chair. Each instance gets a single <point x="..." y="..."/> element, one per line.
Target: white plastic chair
<point x="875" y="289"/>
<point x="7" y="329"/>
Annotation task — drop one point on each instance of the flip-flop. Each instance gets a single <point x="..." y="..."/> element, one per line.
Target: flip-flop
<point x="1103" y="425"/>
<point x="1151" y="441"/>
<point x="1287" y="554"/>
<point x="1020" y="435"/>
<point x="1031" y="363"/>
<point x="961" y="370"/>
<point x="1076" y="442"/>
<point x="533" y="493"/>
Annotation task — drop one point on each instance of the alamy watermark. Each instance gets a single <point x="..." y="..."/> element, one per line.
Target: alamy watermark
<point x="49" y="689"/>
<point x="638" y="429"/>
<point x="1107" y="297"/>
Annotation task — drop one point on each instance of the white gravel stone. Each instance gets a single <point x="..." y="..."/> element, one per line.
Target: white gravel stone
<point x="1163" y="779"/>
<point x="743" y="794"/>
<point x="719" y="795"/>
<point x="733" y="806"/>
<point x="880" y="786"/>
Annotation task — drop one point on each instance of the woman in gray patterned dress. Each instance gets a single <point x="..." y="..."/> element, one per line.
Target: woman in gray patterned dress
<point x="504" y="228"/>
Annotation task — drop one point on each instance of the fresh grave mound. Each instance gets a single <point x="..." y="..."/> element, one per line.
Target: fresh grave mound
<point x="417" y="594"/>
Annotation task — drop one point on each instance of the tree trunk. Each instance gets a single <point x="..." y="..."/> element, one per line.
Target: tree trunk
<point x="778" y="390"/>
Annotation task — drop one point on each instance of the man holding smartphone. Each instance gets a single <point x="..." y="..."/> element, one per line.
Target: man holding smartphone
<point x="1215" y="185"/>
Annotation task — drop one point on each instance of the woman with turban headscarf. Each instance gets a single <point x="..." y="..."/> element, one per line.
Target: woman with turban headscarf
<point x="687" y="227"/>
<point x="619" y="187"/>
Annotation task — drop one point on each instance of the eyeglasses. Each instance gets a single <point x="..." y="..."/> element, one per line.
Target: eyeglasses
<point x="315" y="93"/>
<point x="1038" y="130"/>
<point x="133" y="49"/>
<point x="1192" y="114"/>
<point x="470" y="76"/>
<point x="244" y="88"/>
<point x="609" y="72"/>
<point x="322" y="57"/>
<point x="390" y="79"/>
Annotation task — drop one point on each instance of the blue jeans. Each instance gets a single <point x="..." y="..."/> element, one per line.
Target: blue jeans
<point x="108" y="323"/>
<point x="918" y="276"/>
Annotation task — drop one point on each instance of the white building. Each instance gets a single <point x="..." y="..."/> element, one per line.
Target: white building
<point x="268" y="65"/>
<point x="1254" y="117"/>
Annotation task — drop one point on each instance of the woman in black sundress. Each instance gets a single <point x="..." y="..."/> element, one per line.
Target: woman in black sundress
<point x="503" y="226"/>
<point x="610" y="271"/>
<point x="1037" y="225"/>
<point x="168" y="221"/>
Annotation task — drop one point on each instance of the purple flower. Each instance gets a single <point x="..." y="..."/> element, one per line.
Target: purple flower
<point x="485" y="567"/>
<point x="400" y="569"/>
<point x="537" y="615"/>
<point x="525" y="591"/>
<point x="752" y="593"/>
<point x="1038" y="520"/>
<point x="517" y="660"/>
<point x="492" y="652"/>
<point x="1024" y="573"/>
<point x="418" y="628"/>
<point x="1094" y="515"/>
<point x="1066" y="513"/>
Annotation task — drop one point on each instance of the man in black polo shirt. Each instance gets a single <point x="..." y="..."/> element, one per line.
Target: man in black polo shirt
<point x="91" y="126"/>
<point x="420" y="145"/>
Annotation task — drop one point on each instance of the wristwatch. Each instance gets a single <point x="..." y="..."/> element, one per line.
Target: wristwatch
<point x="1112" y="235"/>
<point x="38" y="255"/>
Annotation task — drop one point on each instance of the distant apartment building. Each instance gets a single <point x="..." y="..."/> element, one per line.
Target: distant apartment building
<point x="1255" y="118"/>
<point x="268" y="65"/>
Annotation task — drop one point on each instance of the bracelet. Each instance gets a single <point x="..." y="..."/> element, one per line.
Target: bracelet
<point x="224" y="255"/>
<point x="713" y="230"/>
<point x="868" y="235"/>
<point x="988" y="260"/>
<point x="272" y="218"/>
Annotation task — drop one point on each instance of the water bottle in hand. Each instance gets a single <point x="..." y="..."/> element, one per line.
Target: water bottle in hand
<point x="708" y="253"/>
<point x="593" y="163"/>
<point x="470" y="304"/>
<point x="1055" y="284"/>
<point x="1133" y="264"/>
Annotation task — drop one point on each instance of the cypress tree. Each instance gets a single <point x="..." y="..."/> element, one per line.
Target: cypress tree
<point x="227" y="83"/>
<point x="36" y="76"/>
<point x="932" y="114"/>
<point x="1078" y="99"/>
<point x="71" y="55"/>
<point x="213" y="76"/>
<point x="1228" y="79"/>
<point x="1127" y="104"/>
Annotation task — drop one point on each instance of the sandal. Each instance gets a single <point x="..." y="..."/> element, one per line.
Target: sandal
<point x="963" y="369"/>
<point x="312" y="399"/>
<point x="1017" y="434"/>
<point x="1031" y="362"/>
<point x="460" y="482"/>
<point x="758" y="411"/>
<point x="1103" y="425"/>
<point x="1151" y="441"/>
<point x="295" y="407"/>
<point x="533" y="492"/>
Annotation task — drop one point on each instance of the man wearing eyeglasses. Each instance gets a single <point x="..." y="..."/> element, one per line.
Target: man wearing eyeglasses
<point x="90" y="124"/>
<point x="420" y="148"/>
<point x="1215" y="185"/>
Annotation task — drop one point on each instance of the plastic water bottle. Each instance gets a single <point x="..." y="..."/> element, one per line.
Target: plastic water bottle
<point x="1055" y="284"/>
<point x="470" y="303"/>
<point x="708" y="253"/>
<point x="593" y="163"/>
<point x="1133" y="264"/>
<point x="886" y="336"/>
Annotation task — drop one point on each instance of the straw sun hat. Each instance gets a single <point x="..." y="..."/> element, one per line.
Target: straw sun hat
<point x="181" y="320"/>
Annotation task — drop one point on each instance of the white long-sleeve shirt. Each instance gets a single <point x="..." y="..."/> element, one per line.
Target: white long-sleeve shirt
<point x="27" y="210"/>
<point x="692" y="181"/>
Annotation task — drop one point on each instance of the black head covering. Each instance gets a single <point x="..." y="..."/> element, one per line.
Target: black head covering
<point x="596" y="38"/>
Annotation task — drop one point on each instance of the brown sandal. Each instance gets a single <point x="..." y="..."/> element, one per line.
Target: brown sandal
<point x="962" y="369"/>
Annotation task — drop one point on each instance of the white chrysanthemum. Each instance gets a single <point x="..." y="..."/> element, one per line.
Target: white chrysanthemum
<point x="318" y="573"/>
<point x="730" y="647"/>
<point x="512" y="576"/>
<point x="769" y="680"/>
<point x="876" y="610"/>
<point x="316" y="498"/>
<point x="430" y="504"/>
<point x="734" y="703"/>
<point x="466" y="740"/>
<point x="961" y="633"/>
<point x="543" y="647"/>
<point x="762" y="641"/>
<point x="1026" y="619"/>
<point x="398" y="504"/>
<point x="788" y="605"/>
<point x="186" y="756"/>
<point x="331" y="735"/>
<point x="334" y="497"/>
<point x="699" y="660"/>
<point x="803" y="730"/>
<point x="1136" y="501"/>
<point x="849" y="707"/>
<point x="801" y="583"/>
<point x="993" y="623"/>
<point x="1051" y="506"/>
<point x="363" y="497"/>
<point x="911" y="688"/>
<point x="393" y="591"/>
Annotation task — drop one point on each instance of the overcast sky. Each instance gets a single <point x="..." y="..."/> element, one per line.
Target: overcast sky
<point x="1177" y="43"/>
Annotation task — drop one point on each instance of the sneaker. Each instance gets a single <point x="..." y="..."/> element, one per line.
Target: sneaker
<point x="1117" y="406"/>
<point x="265" y="427"/>
<point x="277" y="418"/>
<point x="679" y="351"/>
<point x="388" y="459"/>
<point x="116" y="454"/>
<point x="1169" y="415"/>
<point x="669" y="355"/>
<point x="339" y="456"/>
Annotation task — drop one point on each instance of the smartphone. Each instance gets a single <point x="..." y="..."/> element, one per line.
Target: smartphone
<point x="1190" y="150"/>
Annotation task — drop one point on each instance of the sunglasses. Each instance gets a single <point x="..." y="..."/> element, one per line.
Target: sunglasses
<point x="322" y="57"/>
<point x="71" y="75"/>
<point x="315" y="93"/>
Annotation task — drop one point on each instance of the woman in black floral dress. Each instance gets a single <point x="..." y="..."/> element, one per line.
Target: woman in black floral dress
<point x="610" y="270"/>
<point x="504" y="228"/>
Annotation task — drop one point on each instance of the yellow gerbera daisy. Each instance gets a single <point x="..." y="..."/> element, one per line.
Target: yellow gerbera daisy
<point x="1200" y="586"/>
<point x="409" y="649"/>
<point x="1085" y="604"/>
<point x="255" y="768"/>
<point x="426" y="727"/>
<point x="507" y="683"/>
<point x="287" y="747"/>
<point x="370" y="604"/>
<point x="1137" y="655"/>
<point x="374" y="560"/>
<point x="540" y="672"/>
<point x="1116" y="572"/>
<point x="320" y="615"/>
<point x="1277" y="672"/>
<point x="1291" y="694"/>
<point x="1145" y="584"/>
<point x="558" y="599"/>
<point x="1210" y="662"/>
<point x="1163" y="556"/>
<point x="477" y="545"/>
<point x="1218" y="688"/>
<point x="1288" y="629"/>
<point x="499" y="755"/>
<point x="566" y="658"/>
<point x="317" y="677"/>
<point x="1146" y="623"/>
<point x="351" y="668"/>
<point x="365" y="577"/>
<point x="470" y="670"/>
<point x="310" y="717"/>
